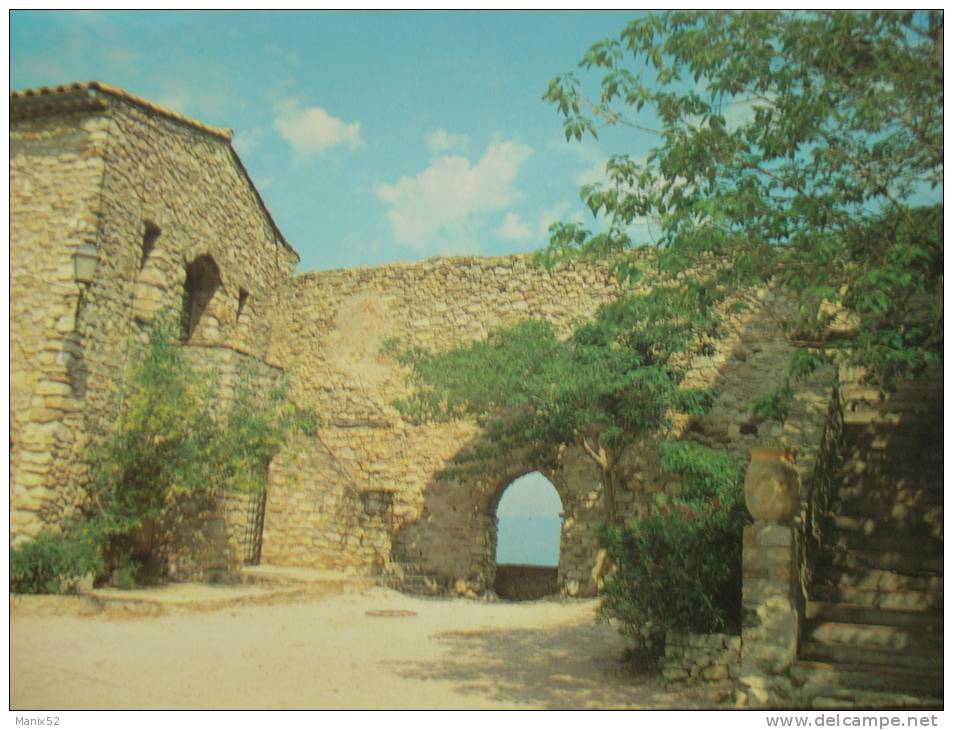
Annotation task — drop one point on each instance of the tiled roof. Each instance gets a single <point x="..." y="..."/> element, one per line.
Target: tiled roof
<point x="98" y="86"/>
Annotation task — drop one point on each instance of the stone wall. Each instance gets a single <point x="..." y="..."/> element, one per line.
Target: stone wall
<point x="153" y="192"/>
<point x="710" y="660"/>
<point x="366" y="494"/>
<point x="360" y="494"/>
<point x="179" y="228"/>
<point x="56" y="164"/>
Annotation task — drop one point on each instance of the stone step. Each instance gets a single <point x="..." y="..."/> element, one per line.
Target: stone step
<point x="912" y="448"/>
<point x="908" y="416"/>
<point x="926" y="405"/>
<point x="901" y="562"/>
<point x="849" y="613"/>
<point x="878" y="579"/>
<point x="916" y="525"/>
<point x="855" y="496"/>
<point x="873" y="636"/>
<point x="878" y="468"/>
<point x="871" y="397"/>
<point x="903" y="600"/>
<point x="852" y="535"/>
<point x="912" y="685"/>
<point x="917" y="659"/>
<point x="906" y="506"/>
<point x="881" y="435"/>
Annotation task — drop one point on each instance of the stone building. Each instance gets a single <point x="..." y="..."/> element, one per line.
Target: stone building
<point x="163" y="206"/>
<point x="162" y="209"/>
<point x="175" y="224"/>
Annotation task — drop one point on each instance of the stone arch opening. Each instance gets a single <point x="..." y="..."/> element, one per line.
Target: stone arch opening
<point x="528" y="514"/>
<point x="202" y="280"/>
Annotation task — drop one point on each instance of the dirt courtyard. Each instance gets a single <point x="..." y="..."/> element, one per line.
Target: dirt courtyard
<point x="329" y="653"/>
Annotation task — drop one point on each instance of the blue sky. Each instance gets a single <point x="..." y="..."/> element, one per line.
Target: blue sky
<point x="529" y="522"/>
<point x="372" y="136"/>
<point x="532" y="495"/>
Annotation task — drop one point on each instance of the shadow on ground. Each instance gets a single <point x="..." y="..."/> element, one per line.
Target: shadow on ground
<point x="557" y="668"/>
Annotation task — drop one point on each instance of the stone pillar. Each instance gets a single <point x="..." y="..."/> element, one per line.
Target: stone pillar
<point x="770" y="593"/>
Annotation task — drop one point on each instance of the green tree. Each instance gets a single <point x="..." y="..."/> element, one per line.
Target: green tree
<point x="802" y="145"/>
<point x="176" y="438"/>
<point x="679" y="568"/>
<point x="612" y="380"/>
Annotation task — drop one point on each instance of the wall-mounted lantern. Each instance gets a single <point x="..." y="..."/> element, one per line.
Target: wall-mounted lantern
<point x="84" y="263"/>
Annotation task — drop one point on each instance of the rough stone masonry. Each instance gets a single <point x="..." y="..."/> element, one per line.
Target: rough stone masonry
<point x="178" y="226"/>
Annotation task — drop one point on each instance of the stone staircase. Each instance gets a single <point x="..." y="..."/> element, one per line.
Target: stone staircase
<point x="874" y="625"/>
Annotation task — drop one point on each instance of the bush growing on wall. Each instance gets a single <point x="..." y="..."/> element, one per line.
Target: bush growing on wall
<point x="679" y="568"/>
<point x="173" y="439"/>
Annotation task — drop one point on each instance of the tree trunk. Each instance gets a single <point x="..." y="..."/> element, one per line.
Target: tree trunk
<point x="610" y="482"/>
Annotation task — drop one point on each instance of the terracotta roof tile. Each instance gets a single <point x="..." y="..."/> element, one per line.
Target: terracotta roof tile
<point x="80" y="86"/>
<point x="115" y="91"/>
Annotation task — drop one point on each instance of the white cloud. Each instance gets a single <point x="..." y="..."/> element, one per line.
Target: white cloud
<point x="442" y="141"/>
<point x="514" y="229"/>
<point x="313" y="131"/>
<point x="439" y="209"/>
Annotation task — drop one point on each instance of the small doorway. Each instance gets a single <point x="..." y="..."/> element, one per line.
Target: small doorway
<point x="529" y="526"/>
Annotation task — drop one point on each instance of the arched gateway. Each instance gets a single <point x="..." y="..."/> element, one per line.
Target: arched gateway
<point x="529" y="528"/>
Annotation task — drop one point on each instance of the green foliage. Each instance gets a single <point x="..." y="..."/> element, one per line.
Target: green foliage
<point x="54" y="562"/>
<point x="679" y="568"/>
<point x="773" y="405"/>
<point x="175" y="438"/>
<point x="164" y="441"/>
<point x="802" y="145"/>
<point x="613" y="379"/>
<point x="708" y="474"/>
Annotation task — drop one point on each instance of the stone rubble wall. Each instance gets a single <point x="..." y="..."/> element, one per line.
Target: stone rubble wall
<point x="439" y="532"/>
<point x="356" y="495"/>
<point x="105" y="171"/>
<point x="712" y="661"/>
<point x="56" y="165"/>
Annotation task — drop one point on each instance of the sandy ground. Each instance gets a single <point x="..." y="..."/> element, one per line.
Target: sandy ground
<point x="329" y="653"/>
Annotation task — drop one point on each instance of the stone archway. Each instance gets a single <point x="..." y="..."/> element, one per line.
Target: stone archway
<point x="529" y="515"/>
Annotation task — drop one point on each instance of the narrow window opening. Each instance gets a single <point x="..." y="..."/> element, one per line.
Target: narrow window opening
<point x="242" y="300"/>
<point x="150" y="234"/>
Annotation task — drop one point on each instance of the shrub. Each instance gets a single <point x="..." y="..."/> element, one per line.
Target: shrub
<point x="175" y="442"/>
<point x="54" y="562"/>
<point x="679" y="568"/>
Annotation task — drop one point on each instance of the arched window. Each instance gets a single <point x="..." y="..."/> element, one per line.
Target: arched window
<point x="202" y="280"/>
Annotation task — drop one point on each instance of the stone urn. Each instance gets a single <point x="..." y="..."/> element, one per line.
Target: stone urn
<point x="772" y="486"/>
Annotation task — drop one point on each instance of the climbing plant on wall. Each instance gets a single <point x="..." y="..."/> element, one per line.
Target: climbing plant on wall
<point x="175" y="438"/>
<point x="614" y="379"/>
